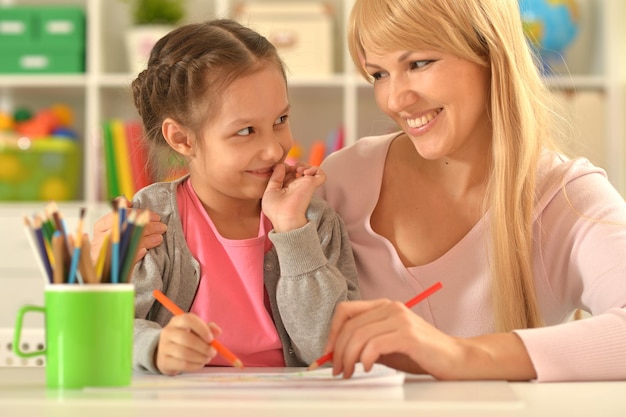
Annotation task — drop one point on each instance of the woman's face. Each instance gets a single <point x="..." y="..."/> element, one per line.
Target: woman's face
<point x="438" y="99"/>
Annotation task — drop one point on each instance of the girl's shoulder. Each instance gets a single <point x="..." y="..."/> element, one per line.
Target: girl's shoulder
<point x="159" y="197"/>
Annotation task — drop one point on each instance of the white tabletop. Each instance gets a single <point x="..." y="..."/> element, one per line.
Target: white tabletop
<point x="23" y="393"/>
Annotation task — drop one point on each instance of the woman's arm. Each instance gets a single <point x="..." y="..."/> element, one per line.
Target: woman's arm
<point x="152" y="234"/>
<point x="388" y="332"/>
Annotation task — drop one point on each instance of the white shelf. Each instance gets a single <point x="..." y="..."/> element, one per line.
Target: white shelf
<point x="320" y="104"/>
<point x="577" y="82"/>
<point x="29" y="81"/>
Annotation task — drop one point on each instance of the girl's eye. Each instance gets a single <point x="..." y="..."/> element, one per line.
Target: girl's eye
<point x="245" y="131"/>
<point x="282" y="119"/>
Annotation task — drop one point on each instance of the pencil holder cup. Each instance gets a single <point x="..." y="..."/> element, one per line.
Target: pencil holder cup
<point x="89" y="334"/>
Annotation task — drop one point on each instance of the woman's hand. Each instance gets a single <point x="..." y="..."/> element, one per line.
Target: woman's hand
<point x="152" y="234"/>
<point x="388" y="332"/>
<point x="184" y="344"/>
<point x="289" y="193"/>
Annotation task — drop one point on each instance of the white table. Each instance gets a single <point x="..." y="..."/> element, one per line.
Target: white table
<point x="23" y="393"/>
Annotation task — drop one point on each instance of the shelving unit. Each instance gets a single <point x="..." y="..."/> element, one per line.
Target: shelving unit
<point x="319" y="104"/>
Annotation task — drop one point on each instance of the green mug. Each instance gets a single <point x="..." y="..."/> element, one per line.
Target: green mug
<point x="89" y="334"/>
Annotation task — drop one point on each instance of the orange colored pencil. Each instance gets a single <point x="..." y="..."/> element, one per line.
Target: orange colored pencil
<point x="412" y="302"/>
<point x="177" y="311"/>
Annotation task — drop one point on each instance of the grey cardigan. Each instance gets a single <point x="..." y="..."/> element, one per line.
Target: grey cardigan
<point x="306" y="273"/>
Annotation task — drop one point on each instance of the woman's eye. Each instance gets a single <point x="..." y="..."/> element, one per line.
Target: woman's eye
<point x="377" y="75"/>
<point x="245" y="131"/>
<point x="282" y="119"/>
<point x="420" y="64"/>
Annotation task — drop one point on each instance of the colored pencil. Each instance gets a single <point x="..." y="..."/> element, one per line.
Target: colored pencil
<point x="47" y="228"/>
<point x="101" y="268"/>
<point x="115" y="245"/>
<point x="44" y="244"/>
<point x="86" y="267"/>
<point x="67" y="258"/>
<point x="177" y="311"/>
<point x="37" y="246"/>
<point x="78" y="243"/>
<point x="412" y="302"/>
<point x="122" y="158"/>
<point x="133" y="245"/>
<point x="55" y="216"/>
<point x="126" y="232"/>
<point x="58" y="245"/>
<point x="122" y="207"/>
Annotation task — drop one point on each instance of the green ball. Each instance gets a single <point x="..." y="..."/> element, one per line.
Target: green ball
<point x="22" y="114"/>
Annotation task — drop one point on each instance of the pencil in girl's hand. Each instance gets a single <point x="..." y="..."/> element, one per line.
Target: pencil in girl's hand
<point x="177" y="311"/>
<point x="411" y="303"/>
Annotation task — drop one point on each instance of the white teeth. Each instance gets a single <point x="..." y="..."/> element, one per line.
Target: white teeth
<point x="421" y="121"/>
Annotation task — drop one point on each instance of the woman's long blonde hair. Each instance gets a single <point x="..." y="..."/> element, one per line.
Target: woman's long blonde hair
<point x="487" y="32"/>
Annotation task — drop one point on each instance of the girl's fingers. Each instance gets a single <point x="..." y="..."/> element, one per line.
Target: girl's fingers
<point x="277" y="178"/>
<point x="215" y="329"/>
<point x="184" y="344"/>
<point x="181" y="345"/>
<point x="194" y="324"/>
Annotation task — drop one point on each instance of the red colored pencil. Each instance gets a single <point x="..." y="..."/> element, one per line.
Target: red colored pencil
<point x="177" y="311"/>
<point x="412" y="302"/>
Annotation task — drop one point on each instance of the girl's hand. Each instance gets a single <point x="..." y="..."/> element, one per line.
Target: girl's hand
<point x="388" y="332"/>
<point x="152" y="234"/>
<point x="289" y="193"/>
<point x="184" y="344"/>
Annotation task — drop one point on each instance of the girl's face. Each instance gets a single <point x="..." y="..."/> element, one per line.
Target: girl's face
<point x="439" y="100"/>
<point x="240" y="146"/>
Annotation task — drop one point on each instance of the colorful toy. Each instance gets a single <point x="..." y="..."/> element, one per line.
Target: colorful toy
<point x="64" y="114"/>
<point x="6" y="121"/>
<point x="37" y="162"/>
<point x="22" y="114"/>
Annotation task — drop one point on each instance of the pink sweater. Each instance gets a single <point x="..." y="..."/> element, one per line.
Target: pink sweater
<point x="578" y="263"/>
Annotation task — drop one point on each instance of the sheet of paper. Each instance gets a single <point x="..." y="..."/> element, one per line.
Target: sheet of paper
<point x="380" y="375"/>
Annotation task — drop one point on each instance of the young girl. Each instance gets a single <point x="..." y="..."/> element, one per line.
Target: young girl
<point x="247" y="245"/>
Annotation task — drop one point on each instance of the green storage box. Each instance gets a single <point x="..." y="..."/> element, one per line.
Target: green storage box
<point x="17" y="25"/>
<point x="47" y="169"/>
<point x="42" y="60"/>
<point x="42" y="40"/>
<point x="60" y="25"/>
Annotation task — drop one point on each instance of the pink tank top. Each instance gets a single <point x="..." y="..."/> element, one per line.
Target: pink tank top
<point x="231" y="291"/>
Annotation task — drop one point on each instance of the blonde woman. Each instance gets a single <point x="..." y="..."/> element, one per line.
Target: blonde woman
<point x="473" y="192"/>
